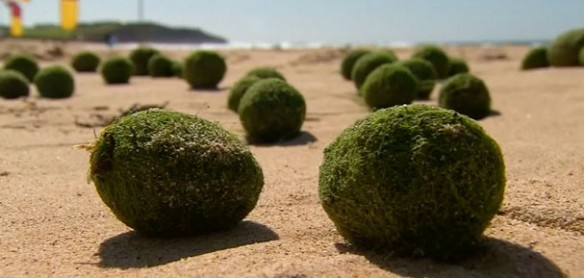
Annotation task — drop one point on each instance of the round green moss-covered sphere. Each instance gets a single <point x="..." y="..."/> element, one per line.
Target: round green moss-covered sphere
<point x="536" y="58"/>
<point x="204" y="69"/>
<point x="349" y="61"/>
<point x="160" y="66"/>
<point x="389" y="85"/>
<point x="238" y="90"/>
<point x="85" y="61"/>
<point x="177" y="69"/>
<point x="456" y="66"/>
<point x="140" y="58"/>
<point x="436" y="56"/>
<point x="117" y="70"/>
<point x="13" y="84"/>
<point x="466" y="94"/>
<point x="55" y="82"/>
<point x="368" y="63"/>
<point x="425" y="73"/>
<point x="565" y="48"/>
<point x="271" y="111"/>
<point x="414" y="180"/>
<point x="265" y="72"/>
<point x="23" y="64"/>
<point x="168" y="174"/>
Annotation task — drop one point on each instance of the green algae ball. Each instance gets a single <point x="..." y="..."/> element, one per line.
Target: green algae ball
<point x="55" y="82"/>
<point x="349" y="61"/>
<point x="117" y="70"/>
<point x="238" y="90"/>
<point x="414" y="180"/>
<point x="389" y="85"/>
<point x="177" y="69"/>
<point x="535" y="58"/>
<point x="466" y="94"/>
<point x="23" y="64"/>
<point x="13" y="84"/>
<point x="271" y="111"/>
<point x="140" y="58"/>
<point x="85" y="61"/>
<point x="436" y="56"/>
<point x="160" y="66"/>
<point x="368" y="63"/>
<point x="426" y="74"/>
<point x="265" y="72"/>
<point x="565" y="48"/>
<point x="204" y="69"/>
<point x="167" y="174"/>
<point x="456" y="66"/>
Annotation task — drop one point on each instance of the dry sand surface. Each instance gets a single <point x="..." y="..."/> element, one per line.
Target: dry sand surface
<point x="52" y="222"/>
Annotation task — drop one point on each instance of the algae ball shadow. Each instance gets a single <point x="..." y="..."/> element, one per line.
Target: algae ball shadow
<point x="414" y="180"/>
<point x="466" y="94"/>
<point x="271" y="110"/>
<point x="168" y="174"/>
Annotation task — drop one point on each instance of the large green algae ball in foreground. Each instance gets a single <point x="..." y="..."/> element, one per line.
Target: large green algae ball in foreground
<point x="167" y="174"/>
<point x="368" y="63"/>
<point x="389" y="85"/>
<point x="413" y="180"/>
<point x="564" y="49"/>
<point x="13" y="84"/>
<point x="55" y="82"/>
<point x="349" y="61"/>
<point x="535" y="58"/>
<point x="466" y="94"/>
<point x="426" y="74"/>
<point x="436" y="56"/>
<point x="117" y="70"/>
<point x="204" y="69"/>
<point x="271" y="111"/>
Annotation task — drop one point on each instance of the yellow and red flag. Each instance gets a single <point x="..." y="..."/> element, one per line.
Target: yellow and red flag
<point x="69" y="14"/>
<point x="15" y="19"/>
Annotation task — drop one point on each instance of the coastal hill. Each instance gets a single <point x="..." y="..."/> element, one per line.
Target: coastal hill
<point x="125" y="32"/>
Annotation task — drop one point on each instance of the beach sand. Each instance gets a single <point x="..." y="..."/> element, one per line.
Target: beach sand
<point x="53" y="223"/>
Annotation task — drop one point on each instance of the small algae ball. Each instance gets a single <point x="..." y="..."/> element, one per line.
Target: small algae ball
<point x="55" y="82"/>
<point x="177" y="69"/>
<point x="389" y="85"/>
<point x="85" y="61"/>
<point x="456" y="66"/>
<point x="204" y="69"/>
<point x="436" y="56"/>
<point x="413" y="180"/>
<point x="13" y="84"/>
<point x="565" y="48"/>
<point x="535" y="58"/>
<point x="271" y="111"/>
<point x="23" y="64"/>
<point x="140" y="58"/>
<point x="368" y="63"/>
<point x="265" y="72"/>
<point x="117" y="70"/>
<point x="466" y="94"/>
<point x="168" y="174"/>
<point x="238" y="90"/>
<point x="160" y="66"/>
<point x="349" y="61"/>
<point x="426" y="74"/>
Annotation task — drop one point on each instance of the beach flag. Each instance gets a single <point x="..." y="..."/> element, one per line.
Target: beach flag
<point x="69" y="14"/>
<point x="15" y="19"/>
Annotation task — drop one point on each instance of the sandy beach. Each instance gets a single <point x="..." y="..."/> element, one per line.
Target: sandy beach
<point x="53" y="223"/>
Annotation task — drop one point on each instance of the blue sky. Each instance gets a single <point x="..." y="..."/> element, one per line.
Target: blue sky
<point x="339" y="21"/>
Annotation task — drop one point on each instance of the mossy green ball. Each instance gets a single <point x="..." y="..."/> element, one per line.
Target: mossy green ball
<point x="55" y="82"/>
<point x="160" y="66"/>
<point x="436" y="56"/>
<point x="168" y="174"/>
<point x="238" y="90"/>
<point x="23" y="64"/>
<point x="204" y="69"/>
<point x="271" y="110"/>
<point x="349" y="61"/>
<point x="456" y="66"/>
<point x="565" y="48"/>
<point x="177" y="69"/>
<point x="368" y="63"/>
<point x="13" y="84"/>
<point x="140" y="58"/>
<point x="535" y="58"/>
<point x="265" y="72"/>
<point x="426" y="74"/>
<point x="466" y="94"/>
<point x="414" y="180"/>
<point x="389" y="85"/>
<point x="117" y="70"/>
<point x="85" y="61"/>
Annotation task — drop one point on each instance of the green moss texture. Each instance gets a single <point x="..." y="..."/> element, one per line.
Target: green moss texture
<point x="265" y="72"/>
<point x="349" y="61"/>
<point x="368" y="63"/>
<point x="426" y="74"/>
<point x="26" y="65"/>
<point x="238" y="90"/>
<point x="466" y="94"/>
<point x="117" y="70"/>
<point x="389" y="85"/>
<point x="436" y="56"/>
<point x="160" y="66"/>
<point x="85" y="61"/>
<point x="456" y="66"/>
<point x="13" y="84"/>
<point x="55" y="82"/>
<point x="140" y="58"/>
<point x="565" y="48"/>
<point x="535" y="58"/>
<point x="204" y="69"/>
